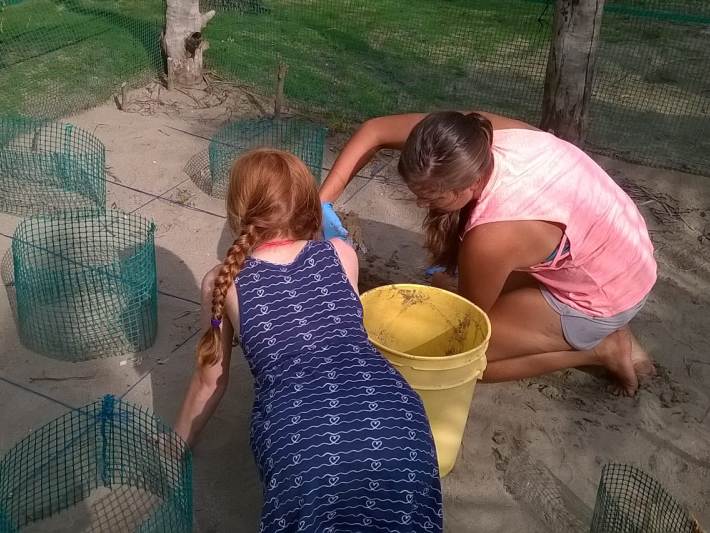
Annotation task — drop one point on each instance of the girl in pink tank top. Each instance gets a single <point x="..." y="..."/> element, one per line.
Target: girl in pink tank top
<point x="542" y="238"/>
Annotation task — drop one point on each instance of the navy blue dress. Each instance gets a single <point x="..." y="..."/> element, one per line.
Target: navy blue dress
<point x="341" y="440"/>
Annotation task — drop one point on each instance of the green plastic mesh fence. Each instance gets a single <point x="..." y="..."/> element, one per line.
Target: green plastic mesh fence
<point x="630" y="501"/>
<point x="59" y="56"/>
<point x="106" y="467"/>
<point x="85" y="283"/>
<point x="650" y="101"/>
<point x="349" y="60"/>
<point x="352" y="60"/>
<point x="304" y="139"/>
<point x="49" y="166"/>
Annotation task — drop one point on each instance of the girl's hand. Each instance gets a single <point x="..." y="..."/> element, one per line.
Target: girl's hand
<point x="332" y="226"/>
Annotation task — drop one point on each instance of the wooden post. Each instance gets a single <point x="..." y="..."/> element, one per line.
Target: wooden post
<point x="280" y="80"/>
<point x="183" y="43"/>
<point x="570" y="68"/>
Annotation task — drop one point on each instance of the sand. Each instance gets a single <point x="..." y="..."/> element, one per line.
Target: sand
<point x="566" y="425"/>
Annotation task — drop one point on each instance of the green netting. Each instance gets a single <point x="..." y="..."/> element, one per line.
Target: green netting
<point x="49" y="166"/>
<point x="630" y="501"/>
<point x="85" y="283"/>
<point x="651" y="102"/>
<point x="304" y="139"/>
<point x="109" y="466"/>
<point x="58" y="56"/>
<point x="349" y="60"/>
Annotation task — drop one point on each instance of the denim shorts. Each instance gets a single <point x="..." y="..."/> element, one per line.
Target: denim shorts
<point x="584" y="332"/>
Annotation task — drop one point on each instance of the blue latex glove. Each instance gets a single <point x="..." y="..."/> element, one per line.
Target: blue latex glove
<point x="429" y="272"/>
<point x="332" y="227"/>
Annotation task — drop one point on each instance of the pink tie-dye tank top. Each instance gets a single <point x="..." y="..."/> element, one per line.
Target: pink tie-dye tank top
<point x="609" y="267"/>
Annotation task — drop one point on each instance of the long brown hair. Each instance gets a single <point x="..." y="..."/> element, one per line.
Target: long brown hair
<point x="271" y="194"/>
<point x="447" y="151"/>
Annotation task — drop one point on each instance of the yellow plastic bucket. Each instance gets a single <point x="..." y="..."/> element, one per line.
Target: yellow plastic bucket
<point x="437" y="340"/>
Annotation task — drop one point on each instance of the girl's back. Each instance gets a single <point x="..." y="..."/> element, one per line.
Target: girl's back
<point x="342" y="442"/>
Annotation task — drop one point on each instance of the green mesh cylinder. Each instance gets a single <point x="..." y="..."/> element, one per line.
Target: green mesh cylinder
<point x="108" y="466"/>
<point x="304" y="139"/>
<point x="630" y="501"/>
<point x="85" y="283"/>
<point x="49" y="166"/>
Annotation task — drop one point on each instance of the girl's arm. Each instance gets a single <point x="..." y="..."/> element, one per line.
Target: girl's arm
<point x="489" y="253"/>
<point x="208" y="383"/>
<point x="385" y="132"/>
<point x="373" y="135"/>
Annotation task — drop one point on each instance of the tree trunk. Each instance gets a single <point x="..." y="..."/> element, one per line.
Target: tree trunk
<point x="570" y="68"/>
<point x="182" y="41"/>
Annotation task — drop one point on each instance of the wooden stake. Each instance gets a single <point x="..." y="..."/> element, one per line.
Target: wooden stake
<point x="171" y="74"/>
<point x="124" y="97"/>
<point x="280" y="80"/>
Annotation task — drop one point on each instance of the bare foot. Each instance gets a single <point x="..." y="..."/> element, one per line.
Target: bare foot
<point x="614" y="353"/>
<point x="643" y="366"/>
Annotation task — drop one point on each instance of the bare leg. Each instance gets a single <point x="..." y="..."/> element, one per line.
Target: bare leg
<point x="527" y="340"/>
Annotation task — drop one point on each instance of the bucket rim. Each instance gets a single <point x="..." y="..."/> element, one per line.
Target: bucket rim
<point x="453" y="357"/>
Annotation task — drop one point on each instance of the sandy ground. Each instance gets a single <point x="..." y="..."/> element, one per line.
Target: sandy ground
<point x="526" y="442"/>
